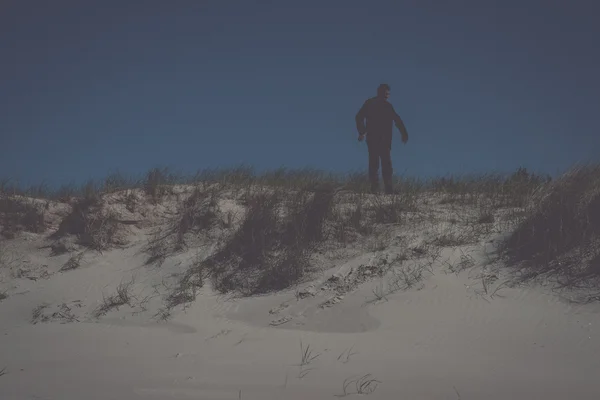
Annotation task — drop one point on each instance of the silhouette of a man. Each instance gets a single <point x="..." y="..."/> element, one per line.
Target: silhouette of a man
<point x="380" y="115"/>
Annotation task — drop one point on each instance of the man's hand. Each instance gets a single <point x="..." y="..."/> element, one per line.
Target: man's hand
<point x="404" y="137"/>
<point x="361" y="137"/>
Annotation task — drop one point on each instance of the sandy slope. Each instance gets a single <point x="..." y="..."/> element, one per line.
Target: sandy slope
<point x="443" y="338"/>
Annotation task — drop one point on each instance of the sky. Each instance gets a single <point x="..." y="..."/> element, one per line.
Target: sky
<point x="90" y="88"/>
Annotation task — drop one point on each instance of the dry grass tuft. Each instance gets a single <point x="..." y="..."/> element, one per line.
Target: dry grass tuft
<point x="158" y="183"/>
<point x="20" y="214"/>
<point x="198" y="214"/>
<point x="187" y="288"/>
<point x="95" y="227"/>
<point x="123" y="296"/>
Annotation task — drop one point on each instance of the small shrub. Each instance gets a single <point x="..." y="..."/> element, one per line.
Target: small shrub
<point x="95" y="227"/>
<point x="560" y="236"/>
<point x="100" y="231"/>
<point x="20" y="214"/>
<point x="158" y="182"/>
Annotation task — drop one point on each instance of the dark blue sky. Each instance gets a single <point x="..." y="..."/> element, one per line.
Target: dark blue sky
<point x="92" y="87"/>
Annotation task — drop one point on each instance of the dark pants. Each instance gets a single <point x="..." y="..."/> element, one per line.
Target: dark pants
<point x="380" y="153"/>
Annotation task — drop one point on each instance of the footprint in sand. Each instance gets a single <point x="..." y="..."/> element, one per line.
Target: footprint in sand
<point x="281" y="321"/>
<point x="332" y="301"/>
<point x="278" y="309"/>
<point x="222" y="333"/>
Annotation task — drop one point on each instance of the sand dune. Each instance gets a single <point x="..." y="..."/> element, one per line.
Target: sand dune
<point x="454" y="330"/>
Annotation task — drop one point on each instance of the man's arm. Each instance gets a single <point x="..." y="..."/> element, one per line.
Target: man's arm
<point x="360" y="120"/>
<point x="400" y="125"/>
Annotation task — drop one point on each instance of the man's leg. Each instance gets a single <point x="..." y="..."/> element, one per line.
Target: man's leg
<point x="386" y="169"/>
<point x="373" y="166"/>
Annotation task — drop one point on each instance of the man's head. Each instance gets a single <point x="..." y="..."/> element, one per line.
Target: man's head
<point x="383" y="91"/>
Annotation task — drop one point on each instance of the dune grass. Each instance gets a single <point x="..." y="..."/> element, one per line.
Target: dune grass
<point x="290" y="215"/>
<point x="18" y="214"/>
<point x="559" y="239"/>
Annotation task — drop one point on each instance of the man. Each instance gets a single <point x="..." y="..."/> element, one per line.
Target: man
<point x="380" y="115"/>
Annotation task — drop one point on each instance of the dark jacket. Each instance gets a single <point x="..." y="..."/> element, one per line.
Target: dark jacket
<point x="381" y="117"/>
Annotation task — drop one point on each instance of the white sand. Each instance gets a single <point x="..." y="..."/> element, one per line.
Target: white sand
<point x="441" y="339"/>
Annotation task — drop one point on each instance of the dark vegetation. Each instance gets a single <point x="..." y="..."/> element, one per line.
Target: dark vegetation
<point x="290" y="215"/>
